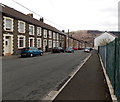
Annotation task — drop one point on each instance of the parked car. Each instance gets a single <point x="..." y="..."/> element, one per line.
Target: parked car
<point x="69" y="50"/>
<point x="61" y="49"/>
<point x="31" y="51"/>
<point x="87" y="50"/>
<point x="75" y="48"/>
<point x="91" y="49"/>
<point x="57" y="50"/>
<point x="80" y="48"/>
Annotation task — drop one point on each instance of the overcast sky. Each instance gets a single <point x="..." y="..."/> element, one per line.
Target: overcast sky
<point x="73" y="14"/>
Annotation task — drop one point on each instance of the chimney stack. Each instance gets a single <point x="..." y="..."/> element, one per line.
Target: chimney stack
<point x="41" y="19"/>
<point x="30" y="15"/>
<point x="63" y="31"/>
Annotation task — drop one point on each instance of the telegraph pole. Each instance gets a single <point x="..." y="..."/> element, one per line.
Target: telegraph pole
<point x="68" y="37"/>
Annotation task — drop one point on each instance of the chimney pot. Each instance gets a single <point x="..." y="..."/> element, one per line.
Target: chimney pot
<point x="30" y="15"/>
<point x="41" y="19"/>
<point x="63" y="31"/>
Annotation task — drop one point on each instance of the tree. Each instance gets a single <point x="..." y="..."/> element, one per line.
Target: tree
<point x="104" y="42"/>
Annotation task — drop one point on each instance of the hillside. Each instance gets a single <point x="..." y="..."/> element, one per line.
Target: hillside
<point x="85" y="35"/>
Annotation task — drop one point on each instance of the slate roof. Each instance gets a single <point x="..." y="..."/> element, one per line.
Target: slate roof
<point x="11" y="12"/>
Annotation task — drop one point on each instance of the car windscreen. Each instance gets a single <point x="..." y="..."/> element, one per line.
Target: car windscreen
<point x="68" y="49"/>
<point x="55" y="48"/>
<point x="25" y="49"/>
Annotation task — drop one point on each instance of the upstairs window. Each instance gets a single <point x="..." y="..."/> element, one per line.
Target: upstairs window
<point x="21" y="27"/>
<point x="54" y="35"/>
<point x="31" y="30"/>
<point x="8" y="24"/>
<point x="60" y="37"/>
<point x="45" y="33"/>
<point x="50" y="34"/>
<point x="57" y="36"/>
<point x="39" y="31"/>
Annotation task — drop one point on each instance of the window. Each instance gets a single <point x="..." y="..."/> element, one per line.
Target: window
<point x="21" y="27"/>
<point x="50" y="43"/>
<point x="54" y="34"/>
<point x="8" y="24"/>
<point x="31" y="30"/>
<point x="62" y="38"/>
<point x="50" y="34"/>
<point x="57" y="36"/>
<point x="45" y="33"/>
<point x="39" y="31"/>
<point x="54" y="43"/>
<point x="38" y="42"/>
<point x="21" y="41"/>
<point x="57" y="44"/>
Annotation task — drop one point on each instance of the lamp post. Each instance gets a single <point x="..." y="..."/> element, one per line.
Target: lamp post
<point x="68" y="37"/>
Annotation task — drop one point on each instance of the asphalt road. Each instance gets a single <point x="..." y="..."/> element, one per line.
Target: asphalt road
<point x="33" y="78"/>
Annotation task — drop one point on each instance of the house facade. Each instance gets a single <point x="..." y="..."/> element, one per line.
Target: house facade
<point x="20" y="30"/>
<point x="73" y="42"/>
<point x="103" y="39"/>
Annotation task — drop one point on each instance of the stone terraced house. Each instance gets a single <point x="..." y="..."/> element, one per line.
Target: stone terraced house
<point x="19" y="30"/>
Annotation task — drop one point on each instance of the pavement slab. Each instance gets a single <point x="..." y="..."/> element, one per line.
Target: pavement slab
<point x="88" y="84"/>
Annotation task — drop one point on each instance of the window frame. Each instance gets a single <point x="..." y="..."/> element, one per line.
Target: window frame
<point x="50" y="44"/>
<point x="54" y="35"/>
<point x="19" y="26"/>
<point x="54" y="43"/>
<point x="40" y="43"/>
<point x="50" y="34"/>
<point x="57" y="36"/>
<point x="21" y="36"/>
<point x="33" y="31"/>
<point x="45" y="33"/>
<point x="33" y="41"/>
<point x="39" y="29"/>
<point x="5" y="28"/>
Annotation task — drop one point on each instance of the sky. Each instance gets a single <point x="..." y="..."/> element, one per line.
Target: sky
<point x="72" y="14"/>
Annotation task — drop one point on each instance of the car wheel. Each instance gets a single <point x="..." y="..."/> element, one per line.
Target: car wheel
<point x="41" y="54"/>
<point x="31" y="55"/>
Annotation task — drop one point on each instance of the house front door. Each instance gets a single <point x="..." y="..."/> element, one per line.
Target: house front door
<point x="31" y="42"/>
<point x="7" y="46"/>
<point x="44" y="44"/>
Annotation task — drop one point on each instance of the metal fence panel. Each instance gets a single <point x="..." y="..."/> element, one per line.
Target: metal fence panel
<point x="110" y="55"/>
<point x="110" y="61"/>
<point x="117" y="71"/>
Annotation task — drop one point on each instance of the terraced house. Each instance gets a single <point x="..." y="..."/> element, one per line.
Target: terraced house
<point x="20" y="30"/>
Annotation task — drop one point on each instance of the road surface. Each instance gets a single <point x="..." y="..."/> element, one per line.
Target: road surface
<point x="33" y="78"/>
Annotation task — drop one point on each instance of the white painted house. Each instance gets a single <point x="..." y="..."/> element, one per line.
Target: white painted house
<point x="103" y="39"/>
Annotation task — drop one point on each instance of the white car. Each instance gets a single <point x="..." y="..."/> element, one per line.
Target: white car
<point x="87" y="50"/>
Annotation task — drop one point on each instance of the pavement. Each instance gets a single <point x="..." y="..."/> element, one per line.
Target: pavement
<point x="89" y="83"/>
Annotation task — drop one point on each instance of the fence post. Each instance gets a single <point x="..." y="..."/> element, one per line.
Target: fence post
<point x="115" y="66"/>
<point x="105" y="55"/>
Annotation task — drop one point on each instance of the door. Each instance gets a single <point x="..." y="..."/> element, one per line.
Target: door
<point x="31" y="42"/>
<point x="44" y="44"/>
<point x="7" y="45"/>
